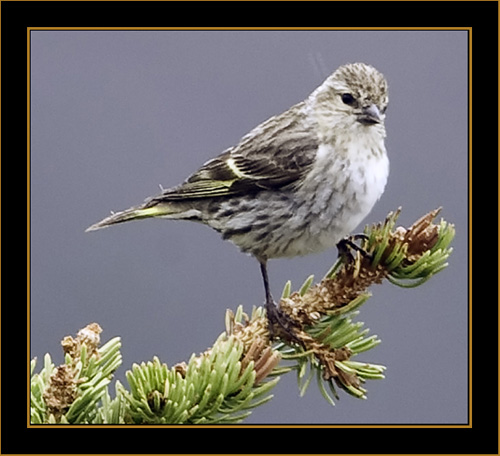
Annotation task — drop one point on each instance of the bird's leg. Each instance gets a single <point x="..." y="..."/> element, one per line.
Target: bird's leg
<point x="276" y="319"/>
<point x="347" y="244"/>
<point x="271" y="306"/>
<point x="265" y="277"/>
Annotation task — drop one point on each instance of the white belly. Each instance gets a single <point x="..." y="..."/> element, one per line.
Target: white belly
<point x="346" y="190"/>
<point x="337" y="194"/>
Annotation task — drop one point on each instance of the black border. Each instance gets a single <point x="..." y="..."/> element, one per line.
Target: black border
<point x="17" y="16"/>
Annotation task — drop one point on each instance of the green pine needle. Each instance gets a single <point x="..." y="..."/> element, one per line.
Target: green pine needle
<point x="237" y="374"/>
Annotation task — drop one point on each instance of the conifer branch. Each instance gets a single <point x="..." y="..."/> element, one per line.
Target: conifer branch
<point x="235" y="375"/>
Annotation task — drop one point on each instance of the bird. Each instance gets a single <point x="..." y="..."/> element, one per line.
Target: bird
<point x="296" y="184"/>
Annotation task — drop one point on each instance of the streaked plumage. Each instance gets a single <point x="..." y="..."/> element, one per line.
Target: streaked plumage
<point x="295" y="184"/>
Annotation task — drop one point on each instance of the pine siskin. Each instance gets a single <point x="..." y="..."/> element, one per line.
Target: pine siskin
<point x="296" y="184"/>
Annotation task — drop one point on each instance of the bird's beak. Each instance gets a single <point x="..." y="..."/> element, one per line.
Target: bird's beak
<point x="370" y="115"/>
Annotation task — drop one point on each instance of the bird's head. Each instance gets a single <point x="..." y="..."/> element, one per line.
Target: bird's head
<point x="355" y="96"/>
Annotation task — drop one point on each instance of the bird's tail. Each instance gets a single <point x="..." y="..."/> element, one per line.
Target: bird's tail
<point x="135" y="213"/>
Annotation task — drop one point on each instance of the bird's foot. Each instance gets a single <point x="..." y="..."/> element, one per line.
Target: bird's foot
<point x="348" y="244"/>
<point x="281" y="324"/>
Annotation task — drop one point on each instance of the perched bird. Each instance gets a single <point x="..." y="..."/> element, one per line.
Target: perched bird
<point x="296" y="184"/>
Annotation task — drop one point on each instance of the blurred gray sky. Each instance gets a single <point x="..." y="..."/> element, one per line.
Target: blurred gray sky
<point x="115" y="114"/>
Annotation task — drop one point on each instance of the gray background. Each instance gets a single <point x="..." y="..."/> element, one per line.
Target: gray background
<point x="114" y="114"/>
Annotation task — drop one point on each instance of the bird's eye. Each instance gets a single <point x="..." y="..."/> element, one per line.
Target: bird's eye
<point x="348" y="99"/>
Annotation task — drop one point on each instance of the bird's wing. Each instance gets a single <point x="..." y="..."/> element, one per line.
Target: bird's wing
<point x="275" y="154"/>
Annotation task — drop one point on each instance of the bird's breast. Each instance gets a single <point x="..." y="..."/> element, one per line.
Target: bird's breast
<point x="334" y="197"/>
<point x="341" y="189"/>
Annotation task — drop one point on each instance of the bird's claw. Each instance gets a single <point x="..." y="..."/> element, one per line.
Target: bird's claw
<point x="280" y="324"/>
<point x="348" y="244"/>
